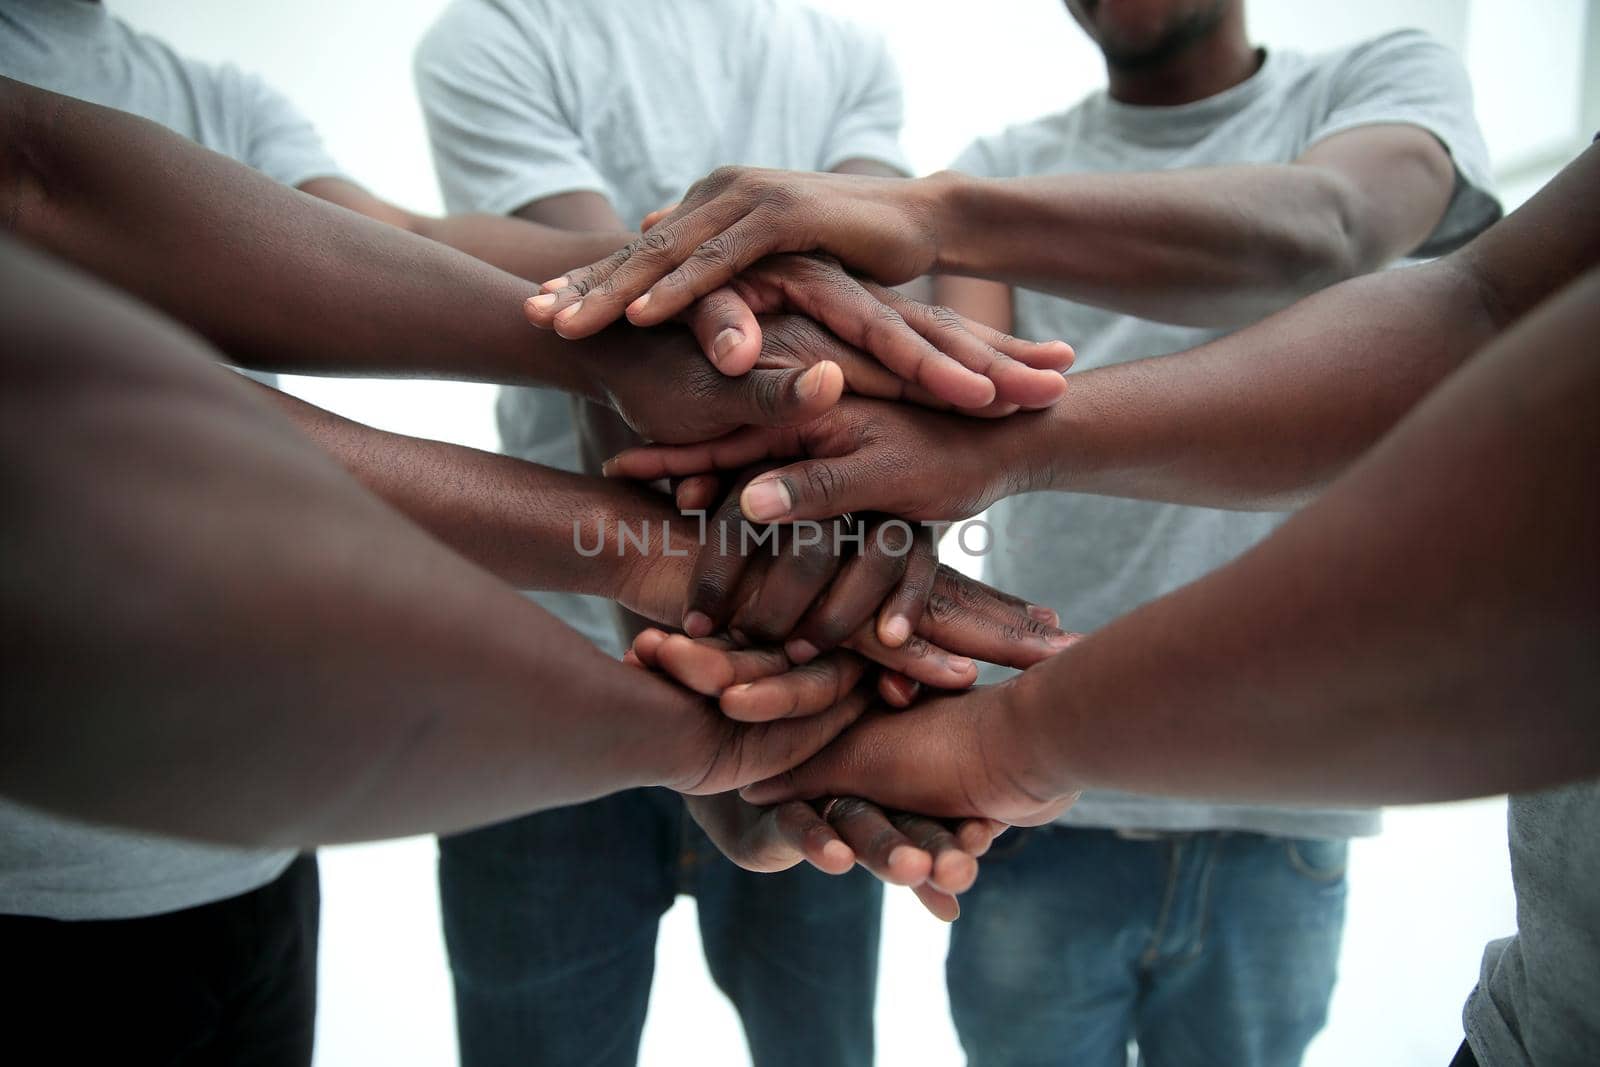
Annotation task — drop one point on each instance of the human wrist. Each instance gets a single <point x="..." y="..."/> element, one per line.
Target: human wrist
<point x="1038" y="712"/>
<point x="945" y="198"/>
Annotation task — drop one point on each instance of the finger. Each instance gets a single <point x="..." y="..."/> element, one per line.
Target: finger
<point x="976" y="835"/>
<point x="801" y="571"/>
<point x="717" y="259"/>
<point x="917" y="659"/>
<point x="865" y="316"/>
<point x="657" y="215"/>
<point x="1012" y="381"/>
<point x="593" y="297"/>
<point x="731" y="452"/>
<point x="697" y="492"/>
<point x="779" y="397"/>
<point x="942" y="906"/>
<point x="1043" y="355"/>
<point x="801" y="690"/>
<point x="896" y="689"/>
<point x="968" y="618"/>
<point x="878" y="845"/>
<point x="645" y="644"/>
<point x="629" y="659"/>
<point x="727" y="330"/>
<point x="953" y="870"/>
<point x="719" y="569"/>
<point x="558" y="294"/>
<point x="801" y="827"/>
<point x="904" y="608"/>
<point x="750" y="752"/>
<point x="814" y="489"/>
<point x="864" y="580"/>
<point x="709" y="667"/>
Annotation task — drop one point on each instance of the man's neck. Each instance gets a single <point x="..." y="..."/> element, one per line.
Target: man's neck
<point x="1218" y="61"/>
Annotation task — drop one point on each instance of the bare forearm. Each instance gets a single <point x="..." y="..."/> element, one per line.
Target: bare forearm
<point x="211" y="630"/>
<point x="525" y="249"/>
<point x="520" y="521"/>
<point x="277" y="279"/>
<point x="1268" y="416"/>
<point x="1425" y="630"/>
<point x="1207" y="247"/>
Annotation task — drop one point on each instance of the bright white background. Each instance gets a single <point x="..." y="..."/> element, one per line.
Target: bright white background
<point x="1424" y="896"/>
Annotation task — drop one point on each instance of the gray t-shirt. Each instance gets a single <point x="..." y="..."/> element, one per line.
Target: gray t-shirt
<point x="1538" y="999"/>
<point x="525" y="99"/>
<point x="1094" y="558"/>
<point x="56" y="867"/>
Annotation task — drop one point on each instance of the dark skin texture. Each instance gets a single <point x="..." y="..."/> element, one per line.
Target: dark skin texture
<point x="1265" y="418"/>
<point x="176" y="542"/>
<point x="1423" y="630"/>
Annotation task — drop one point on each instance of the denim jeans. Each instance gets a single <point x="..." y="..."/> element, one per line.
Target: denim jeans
<point x="1203" y="948"/>
<point x="551" y="926"/>
<point x="233" y="981"/>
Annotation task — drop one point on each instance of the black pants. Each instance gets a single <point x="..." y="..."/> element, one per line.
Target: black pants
<point x="232" y="982"/>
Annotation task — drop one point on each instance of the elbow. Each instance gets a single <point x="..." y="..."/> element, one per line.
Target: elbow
<point x="1337" y="242"/>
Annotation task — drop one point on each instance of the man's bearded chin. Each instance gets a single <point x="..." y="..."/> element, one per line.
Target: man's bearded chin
<point x="1127" y="52"/>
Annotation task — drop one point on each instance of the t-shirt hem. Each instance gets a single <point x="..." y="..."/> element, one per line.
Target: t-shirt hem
<point x="1100" y="815"/>
<point x="146" y="901"/>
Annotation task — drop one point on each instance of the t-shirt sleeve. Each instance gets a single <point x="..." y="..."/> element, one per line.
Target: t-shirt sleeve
<point x="1407" y="77"/>
<point x="490" y="95"/>
<point x="278" y="140"/>
<point x="871" y="109"/>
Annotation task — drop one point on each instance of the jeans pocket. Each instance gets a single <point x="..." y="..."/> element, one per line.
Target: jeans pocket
<point x="1320" y="859"/>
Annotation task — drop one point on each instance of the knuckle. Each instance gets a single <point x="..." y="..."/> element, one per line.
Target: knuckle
<point x="846" y="808"/>
<point x="822" y="482"/>
<point x="720" y="252"/>
<point x="944" y="609"/>
<point x="944" y="317"/>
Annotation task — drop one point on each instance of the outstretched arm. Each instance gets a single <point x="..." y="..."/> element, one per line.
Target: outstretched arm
<point x="284" y="281"/>
<point x="211" y="630"/>
<point x="1424" y="631"/>
<point x="1263" y="418"/>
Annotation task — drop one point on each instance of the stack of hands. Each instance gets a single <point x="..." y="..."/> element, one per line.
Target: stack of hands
<point x="783" y="615"/>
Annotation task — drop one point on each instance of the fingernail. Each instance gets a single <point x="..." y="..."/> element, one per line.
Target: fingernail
<point x="556" y="283"/>
<point x="1044" y="615"/>
<point x="958" y="664"/>
<point x="569" y="314"/>
<point x="810" y="383"/>
<point x="801" y="651"/>
<point x="897" y="631"/>
<point x="697" y="624"/>
<point x="638" y="305"/>
<point x="838" y="851"/>
<point x="725" y="342"/>
<point x="742" y="687"/>
<point x="608" y="468"/>
<point x="1063" y="640"/>
<point x="765" y="501"/>
<point x="542" y="302"/>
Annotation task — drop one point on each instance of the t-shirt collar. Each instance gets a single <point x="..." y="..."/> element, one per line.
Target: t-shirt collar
<point x="1159" y="125"/>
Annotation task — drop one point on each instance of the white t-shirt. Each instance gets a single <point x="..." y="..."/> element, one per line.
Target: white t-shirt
<point x="56" y="867"/>
<point x="637" y="100"/>
<point x="1094" y="558"/>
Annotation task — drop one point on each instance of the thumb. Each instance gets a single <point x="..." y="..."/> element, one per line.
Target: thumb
<point x="814" y="489"/>
<point x="780" y="397"/>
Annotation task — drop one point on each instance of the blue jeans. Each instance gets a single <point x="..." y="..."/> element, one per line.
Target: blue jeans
<point x="1203" y="948"/>
<point x="551" y="922"/>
